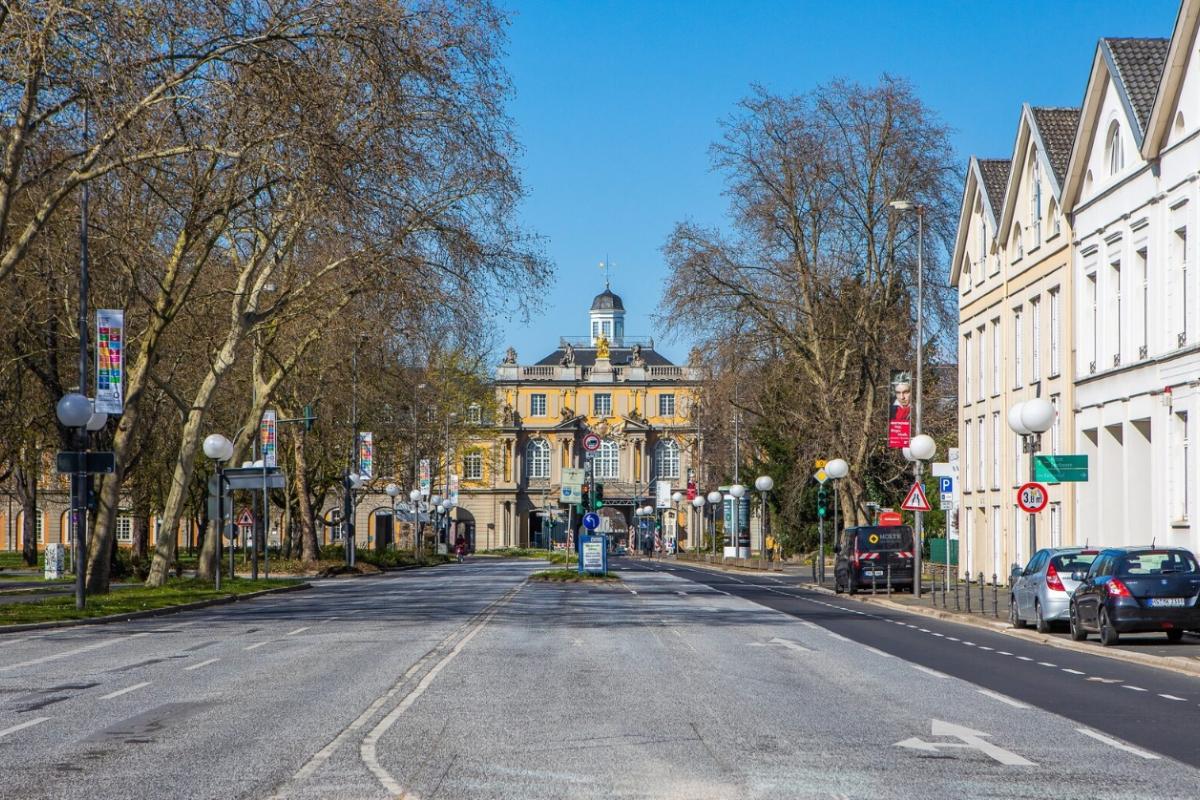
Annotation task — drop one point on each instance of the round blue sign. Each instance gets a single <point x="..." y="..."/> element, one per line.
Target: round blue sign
<point x="591" y="520"/>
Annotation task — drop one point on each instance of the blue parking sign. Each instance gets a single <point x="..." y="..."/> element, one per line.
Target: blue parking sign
<point x="946" y="484"/>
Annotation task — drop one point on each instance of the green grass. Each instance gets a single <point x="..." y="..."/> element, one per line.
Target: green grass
<point x="135" y="598"/>
<point x="569" y="576"/>
<point x="38" y="579"/>
<point x="553" y="556"/>
<point x="11" y="559"/>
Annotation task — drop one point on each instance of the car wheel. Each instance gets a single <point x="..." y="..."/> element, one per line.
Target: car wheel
<point x="1174" y="636"/>
<point x="1108" y="634"/>
<point x="1042" y="625"/>
<point x="1078" y="634"/>
<point x="1014" y="614"/>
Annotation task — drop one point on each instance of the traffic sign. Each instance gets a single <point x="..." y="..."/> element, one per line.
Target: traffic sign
<point x="916" y="500"/>
<point x="591" y="520"/>
<point x="591" y="442"/>
<point x="820" y="463"/>
<point x="1060" y="469"/>
<point x="246" y="518"/>
<point x="821" y="476"/>
<point x="946" y="485"/>
<point x="1032" y="497"/>
<point x="100" y="462"/>
<point x="888" y="518"/>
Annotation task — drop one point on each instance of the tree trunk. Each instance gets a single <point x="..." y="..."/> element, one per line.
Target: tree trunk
<point x="26" y="482"/>
<point x="141" y="539"/>
<point x="309" y="547"/>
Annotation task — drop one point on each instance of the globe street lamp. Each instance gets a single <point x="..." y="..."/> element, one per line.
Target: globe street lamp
<point x="714" y="499"/>
<point x="922" y="447"/>
<point x="414" y="499"/>
<point x="698" y="529"/>
<point x="350" y="483"/>
<point x="836" y="469"/>
<point x="737" y="492"/>
<point x="676" y="498"/>
<point x="75" y="411"/>
<point x="392" y="491"/>
<point x="219" y="450"/>
<point x="1030" y="420"/>
<point x="764" y="484"/>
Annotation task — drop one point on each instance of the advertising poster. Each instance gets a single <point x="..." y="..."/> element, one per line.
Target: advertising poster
<point x="266" y="439"/>
<point x="425" y="478"/>
<point x="110" y="360"/>
<point x="900" y="411"/>
<point x="366" y="454"/>
<point x="453" y="488"/>
<point x="663" y="494"/>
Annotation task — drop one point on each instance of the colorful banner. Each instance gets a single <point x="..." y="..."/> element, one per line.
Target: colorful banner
<point x="453" y="488"/>
<point x="426" y="478"/>
<point x="110" y="360"/>
<point x="900" y="411"/>
<point x="366" y="454"/>
<point x="266" y="439"/>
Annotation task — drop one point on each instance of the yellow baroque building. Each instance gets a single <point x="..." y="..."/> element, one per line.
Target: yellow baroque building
<point x="640" y="404"/>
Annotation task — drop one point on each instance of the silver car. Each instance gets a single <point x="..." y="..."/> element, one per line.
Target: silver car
<point x="1041" y="593"/>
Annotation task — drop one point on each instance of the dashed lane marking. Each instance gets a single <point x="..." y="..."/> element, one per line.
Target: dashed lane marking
<point x="1173" y="697"/>
<point x="1003" y="698"/>
<point x="877" y="651"/>
<point x="68" y="653"/>
<point x="1024" y="658"/>
<point x="257" y="645"/>
<point x="1046" y="664"/>
<point x="298" y="630"/>
<point x="1133" y="688"/>
<point x="201" y="664"/>
<point x="1073" y="671"/>
<point x="928" y="671"/>
<point x="1099" y="737"/>
<point x="22" y="726"/>
<point x="126" y="690"/>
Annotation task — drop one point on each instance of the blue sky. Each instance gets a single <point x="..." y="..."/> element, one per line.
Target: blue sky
<point x="617" y="102"/>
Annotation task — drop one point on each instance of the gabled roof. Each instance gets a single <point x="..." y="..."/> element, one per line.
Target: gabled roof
<point x="989" y="175"/>
<point x="1183" y="40"/>
<point x="1135" y="67"/>
<point x="1042" y="125"/>
<point x="1056" y="127"/>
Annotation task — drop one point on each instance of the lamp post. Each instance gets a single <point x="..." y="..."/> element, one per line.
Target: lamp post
<point x="714" y="500"/>
<point x="836" y="469"/>
<point x="414" y="498"/>
<point x="737" y="492"/>
<point x="74" y="410"/>
<point x="676" y="498"/>
<point x="918" y="462"/>
<point x="350" y="482"/>
<point x="698" y="504"/>
<point x="392" y="491"/>
<point x="764" y="484"/>
<point x="921" y="448"/>
<point x="219" y="449"/>
<point x="1030" y="420"/>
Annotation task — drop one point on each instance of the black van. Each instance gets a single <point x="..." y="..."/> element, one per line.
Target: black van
<point x="865" y="553"/>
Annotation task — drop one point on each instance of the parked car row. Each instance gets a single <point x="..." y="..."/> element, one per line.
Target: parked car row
<point x="1108" y="591"/>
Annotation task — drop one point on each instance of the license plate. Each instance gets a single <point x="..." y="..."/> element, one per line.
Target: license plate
<point x="1169" y="602"/>
<point x="873" y="573"/>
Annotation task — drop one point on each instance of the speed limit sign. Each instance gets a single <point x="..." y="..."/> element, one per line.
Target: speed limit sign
<point x="591" y="442"/>
<point x="1032" y="497"/>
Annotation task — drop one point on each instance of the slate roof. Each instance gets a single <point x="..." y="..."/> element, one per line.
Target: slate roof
<point x="606" y="300"/>
<point x="617" y="356"/>
<point x="1139" y="64"/>
<point x="1057" y="127"/>
<point x="995" y="180"/>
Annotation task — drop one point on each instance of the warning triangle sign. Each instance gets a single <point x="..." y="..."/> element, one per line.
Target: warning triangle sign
<point x="916" y="500"/>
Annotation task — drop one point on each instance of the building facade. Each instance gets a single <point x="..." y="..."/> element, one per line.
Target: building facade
<point x="1012" y="268"/>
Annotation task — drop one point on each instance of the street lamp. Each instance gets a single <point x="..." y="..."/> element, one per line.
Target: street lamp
<point x="737" y="492"/>
<point x="1030" y="420"/>
<point x="414" y="498"/>
<point x="714" y="499"/>
<point x="903" y="205"/>
<point x="764" y="484"/>
<point x="676" y="498"/>
<point x="922" y="447"/>
<point x="392" y="491"/>
<point x="698" y="530"/>
<point x="219" y="449"/>
<point x="75" y="411"/>
<point x="350" y="483"/>
<point x="836" y="469"/>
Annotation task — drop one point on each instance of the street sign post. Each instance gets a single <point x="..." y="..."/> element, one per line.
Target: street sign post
<point x="69" y="461"/>
<point x="946" y="490"/>
<point x="591" y="520"/>
<point x="591" y="442"/>
<point x="916" y="500"/>
<point x="1032" y="497"/>
<point x="1060" y="469"/>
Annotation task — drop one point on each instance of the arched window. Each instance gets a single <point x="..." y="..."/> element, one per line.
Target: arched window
<point x="982" y="240"/>
<point x="607" y="463"/>
<point x="666" y="459"/>
<point x="1035" y="197"/>
<point x="1056" y="225"/>
<point x="537" y="459"/>
<point x="1113" y="150"/>
<point x="1018" y="243"/>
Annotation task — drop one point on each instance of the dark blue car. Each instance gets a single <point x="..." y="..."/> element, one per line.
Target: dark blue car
<point x="1137" y="590"/>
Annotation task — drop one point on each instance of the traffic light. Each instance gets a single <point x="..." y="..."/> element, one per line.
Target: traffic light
<point x="599" y="495"/>
<point x="309" y="419"/>
<point x="821" y="502"/>
<point x="586" y="505"/>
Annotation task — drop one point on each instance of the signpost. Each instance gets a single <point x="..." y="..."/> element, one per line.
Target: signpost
<point x="591" y="442"/>
<point x="916" y="500"/>
<point x="1032" y="497"/>
<point x="946" y="492"/>
<point x="1060" y="469"/>
<point x="572" y="485"/>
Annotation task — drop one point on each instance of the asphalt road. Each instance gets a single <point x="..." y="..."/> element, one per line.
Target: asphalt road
<point x="466" y="681"/>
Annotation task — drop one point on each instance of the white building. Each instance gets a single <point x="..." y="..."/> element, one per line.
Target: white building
<point x="1133" y="189"/>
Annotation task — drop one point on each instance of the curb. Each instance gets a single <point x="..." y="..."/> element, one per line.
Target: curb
<point x="1171" y="663"/>
<point x="152" y="612"/>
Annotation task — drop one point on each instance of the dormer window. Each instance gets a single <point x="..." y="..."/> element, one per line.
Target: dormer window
<point x="1113" y="150"/>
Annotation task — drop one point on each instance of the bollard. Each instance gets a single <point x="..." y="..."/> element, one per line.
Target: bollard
<point x="889" y="580"/>
<point x="982" y="598"/>
<point x="968" y="593"/>
<point x="995" y="596"/>
<point x="954" y="578"/>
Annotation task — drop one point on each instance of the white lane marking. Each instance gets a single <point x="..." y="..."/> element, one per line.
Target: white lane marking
<point x="299" y="630"/>
<point x="790" y="645"/>
<point x="837" y="636"/>
<point x="69" y="653"/>
<point x="1104" y="680"/>
<point x="1073" y="671"/>
<point x="201" y="664"/>
<point x="1003" y="698"/>
<point x="1173" y="697"/>
<point x="969" y="644"/>
<point x="924" y="630"/>
<point x="808" y="624"/>
<point x="1099" y="737"/>
<point x="877" y="651"/>
<point x="929" y="671"/>
<point x="1024" y="658"/>
<point x="1003" y="653"/>
<point x="954" y="638"/>
<point x="126" y="690"/>
<point x="909" y="625"/>
<point x="1046" y="664"/>
<point x="22" y="726"/>
<point x="968" y="738"/>
<point x="981" y="647"/>
<point x="940" y="634"/>
<point x="257" y="645"/>
<point x="631" y="591"/>
<point x="1134" y="688"/>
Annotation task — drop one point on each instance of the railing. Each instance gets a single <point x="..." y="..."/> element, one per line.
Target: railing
<point x="665" y="372"/>
<point x="538" y="371"/>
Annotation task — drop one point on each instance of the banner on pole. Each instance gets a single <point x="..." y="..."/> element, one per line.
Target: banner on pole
<point x="900" y="411"/>
<point x="663" y="494"/>
<point x="110" y="360"/>
<point x="366" y="454"/>
<point x="266" y="439"/>
<point x="453" y="488"/>
<point x="426" y="477"/>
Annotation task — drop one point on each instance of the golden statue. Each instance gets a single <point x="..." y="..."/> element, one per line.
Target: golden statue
<point x="602" y="347"/>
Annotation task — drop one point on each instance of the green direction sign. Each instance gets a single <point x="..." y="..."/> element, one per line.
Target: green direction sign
<point x="1060" y="469"/>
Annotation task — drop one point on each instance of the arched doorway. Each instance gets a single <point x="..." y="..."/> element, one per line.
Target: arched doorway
<point x="464" y="527"/>
<point x="381" y="529"/>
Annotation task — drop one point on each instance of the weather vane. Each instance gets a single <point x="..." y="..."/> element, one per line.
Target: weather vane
<point x="606" y="267"/>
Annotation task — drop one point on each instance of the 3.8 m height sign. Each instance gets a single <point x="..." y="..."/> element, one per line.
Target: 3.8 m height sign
<point x="110" y="361"/>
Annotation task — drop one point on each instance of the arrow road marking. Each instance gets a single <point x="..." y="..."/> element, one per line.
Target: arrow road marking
<point x="790" y="645"/>
<point x="969" y="739"/>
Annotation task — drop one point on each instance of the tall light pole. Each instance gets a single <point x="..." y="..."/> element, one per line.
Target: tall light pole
<point x="219" y="449"/>
<point x="737" y="492"/>
<point x="714" y="500"/>
<point x="764" y="484"/>
<point x="918" y="462"/>
<point x="676" y="498"/>
<point x="836" y="469"/>
<point x="1030" y="420"/>
<point x="698" y="504"/>
<point x="414" y="497"/>
<point x="74" y="410"/>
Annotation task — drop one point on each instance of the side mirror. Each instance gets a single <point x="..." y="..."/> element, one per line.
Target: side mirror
<point x="1016" y="573"/>
<point x="1078" y="575"/>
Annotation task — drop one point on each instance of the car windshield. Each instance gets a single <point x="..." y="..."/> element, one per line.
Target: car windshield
<point x="1158" y="562"/>
<point x="1073" y="562"/>
<point x="876" y="539"/>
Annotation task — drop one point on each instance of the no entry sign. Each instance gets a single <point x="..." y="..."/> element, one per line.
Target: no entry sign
<point x="1032" y="497"/>
<point x="591" y="442"/>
